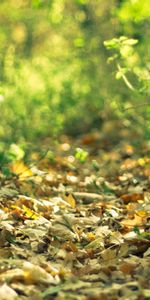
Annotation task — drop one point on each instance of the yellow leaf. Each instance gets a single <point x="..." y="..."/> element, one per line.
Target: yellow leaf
<point x="142" y="213"/>
<point x="20" y="169"/>
<point x="91" y="236"/>
<point x="71" y="200"/>
<point x="29" y="213"/>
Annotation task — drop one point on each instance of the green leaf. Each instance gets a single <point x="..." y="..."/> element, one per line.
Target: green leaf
<point x="81" y="155"/>
<point x="130" y="42"/>
<point x="15" y="152"/>
<point x="51" y="291"/>
<point x="6" y="171"/>
<point x="111" y="44"/>
<point x="95" y="165"/>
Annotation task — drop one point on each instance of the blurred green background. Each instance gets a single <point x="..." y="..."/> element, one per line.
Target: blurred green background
<point x="54" y="72"/>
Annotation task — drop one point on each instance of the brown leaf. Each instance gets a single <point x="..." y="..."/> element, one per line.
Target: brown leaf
<point x="132" y="197"/>
<point x="127" y="268"/>
<point x="136" y="221"/>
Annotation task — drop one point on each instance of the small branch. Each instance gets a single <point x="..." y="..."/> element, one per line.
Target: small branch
<point x="139" y="105"/>
<point x="127" y="82"/>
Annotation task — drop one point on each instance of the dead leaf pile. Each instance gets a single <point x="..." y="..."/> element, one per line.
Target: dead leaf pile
<point x="74" y="229"/>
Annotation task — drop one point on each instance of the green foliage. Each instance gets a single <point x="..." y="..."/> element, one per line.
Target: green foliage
<point x="134" y="10"/>
<point x="8" y="155"/>
<point x="128" y="62"/>
<point x="140" y="234"/>
<point x="81" y="155"/>
<point x="53" y="71"/>
<point x="47" y="70"/>
<point x="95" y="165"/>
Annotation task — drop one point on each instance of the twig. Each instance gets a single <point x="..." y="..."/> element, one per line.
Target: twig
<point x="126" y="81"/>
<point x="90" y="196"/>
<point x="139" y="105"/>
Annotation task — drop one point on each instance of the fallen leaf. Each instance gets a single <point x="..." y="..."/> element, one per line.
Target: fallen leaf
<point x="136" y="221"/>
<point x="132" y="197"/>
<point x="127" y="268"/>
<point x="29" y="213"/>
<point x="71" y="200"/>
<point x="109" y="254"/>
<point x="6" y="237"/>
<point x="8" y="192"/>
<point x="13" y="275"/>
<point x="20" y="169"/>
<point x="97" y="243"/>
<point x="7" y="293"/>
<point x="35" y="274"/>
<point x="142" y="214"/>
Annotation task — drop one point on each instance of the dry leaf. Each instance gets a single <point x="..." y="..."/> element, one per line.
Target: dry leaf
<point x="142" y="214"/>
<point x="127" y="268"/>
<point x="29" y="213"/>
<point x="7" y="293"/>
<point x="109" y="254"/>
<point x="136" y="221"/>
<point x="36" y="274"/>
<point x="13" y="275"/>
<point x="71" y="200"/>
<point x="20" y="169"/>
<point x="132" y="197"/>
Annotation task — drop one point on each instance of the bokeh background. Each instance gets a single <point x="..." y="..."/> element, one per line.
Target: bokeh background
<point x="54" y="72"/>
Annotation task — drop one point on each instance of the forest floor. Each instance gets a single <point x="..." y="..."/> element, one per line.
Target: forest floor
<point x="75" y="224"/>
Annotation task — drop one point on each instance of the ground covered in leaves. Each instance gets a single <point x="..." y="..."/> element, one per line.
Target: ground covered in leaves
<point x="75" y="223"/>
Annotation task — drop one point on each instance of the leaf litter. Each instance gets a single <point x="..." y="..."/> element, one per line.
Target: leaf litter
<point x="76" y="226"/>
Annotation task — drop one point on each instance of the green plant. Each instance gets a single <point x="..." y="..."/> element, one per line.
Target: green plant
<point x="81" y="155"/>
<point x="128" y="63"/>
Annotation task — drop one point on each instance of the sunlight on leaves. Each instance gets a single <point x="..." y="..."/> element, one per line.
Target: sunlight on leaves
<point x="21" y="170"/>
